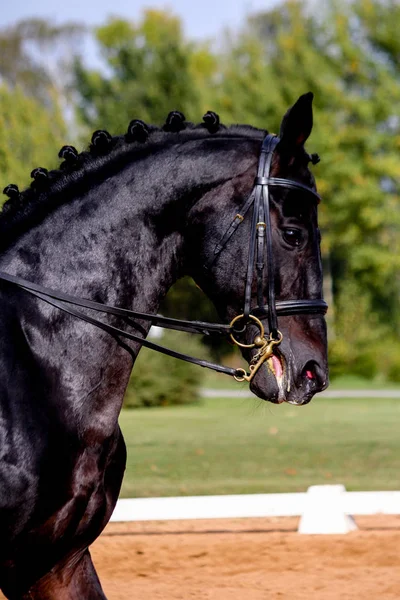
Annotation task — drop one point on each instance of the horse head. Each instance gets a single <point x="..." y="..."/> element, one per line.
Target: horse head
<point x="284" y="273"/>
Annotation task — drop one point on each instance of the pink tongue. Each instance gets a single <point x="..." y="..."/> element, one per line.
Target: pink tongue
<point x="310" y="375"/>
<point x="277" y="366"/>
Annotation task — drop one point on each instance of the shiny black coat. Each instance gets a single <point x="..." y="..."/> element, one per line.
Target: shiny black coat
<point x="121" y="229"/>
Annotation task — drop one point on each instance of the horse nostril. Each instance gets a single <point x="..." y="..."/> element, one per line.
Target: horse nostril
<point x="313" y="373"/>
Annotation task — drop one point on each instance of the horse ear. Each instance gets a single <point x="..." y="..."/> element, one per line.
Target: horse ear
<point x="297" y="123"/>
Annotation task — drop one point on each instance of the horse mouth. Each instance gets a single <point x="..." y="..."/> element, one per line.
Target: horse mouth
<point x="276" y="366"/>
<point x="277" y="370"/>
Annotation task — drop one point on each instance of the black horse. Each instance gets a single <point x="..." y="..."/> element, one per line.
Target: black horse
<point x="119" y="224"/>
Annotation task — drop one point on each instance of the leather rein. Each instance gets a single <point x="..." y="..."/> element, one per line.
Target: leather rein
<point x="260" y="246"/>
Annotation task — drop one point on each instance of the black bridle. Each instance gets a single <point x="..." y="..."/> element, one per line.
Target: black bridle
<point x="260" y="246"/>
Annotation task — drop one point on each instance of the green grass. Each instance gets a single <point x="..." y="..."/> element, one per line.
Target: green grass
<point x="236" y="446"/>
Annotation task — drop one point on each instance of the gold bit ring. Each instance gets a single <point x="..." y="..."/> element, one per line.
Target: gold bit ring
<point x="256" y="321"/>
<point x="240" y="378"/>
<point x="278" y="339"/>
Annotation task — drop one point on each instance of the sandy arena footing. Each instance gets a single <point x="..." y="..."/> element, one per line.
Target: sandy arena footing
<point x="252" y="559"/>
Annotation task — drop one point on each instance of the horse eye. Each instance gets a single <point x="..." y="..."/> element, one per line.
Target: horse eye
<point x="293" y="237"/>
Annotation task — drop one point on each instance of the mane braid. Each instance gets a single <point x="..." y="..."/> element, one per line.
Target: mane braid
<point x="79" y="176"/>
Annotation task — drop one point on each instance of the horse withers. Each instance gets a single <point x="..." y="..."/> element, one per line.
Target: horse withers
<point x="118" y="225"/>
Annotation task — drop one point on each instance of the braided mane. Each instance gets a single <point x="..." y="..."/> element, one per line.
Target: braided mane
<point x="106" y="155"/>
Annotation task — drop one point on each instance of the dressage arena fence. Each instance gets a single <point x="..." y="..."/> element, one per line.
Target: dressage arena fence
<point x="323" y="508"/>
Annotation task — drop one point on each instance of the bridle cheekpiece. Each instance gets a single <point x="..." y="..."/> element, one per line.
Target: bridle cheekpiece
<point x="261" y="249"/>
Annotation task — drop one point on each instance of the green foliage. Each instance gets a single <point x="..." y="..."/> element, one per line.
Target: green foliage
<point x="151" y="70"/>
<point x="159" y="380"/>
<point x="357" y="336"/>
<point x="30" y="134"/>
<point x="33" y="58"/>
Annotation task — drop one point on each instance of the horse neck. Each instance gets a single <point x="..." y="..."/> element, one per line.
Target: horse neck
<point x="115" y="244"/>
<point x="122" y="243"/>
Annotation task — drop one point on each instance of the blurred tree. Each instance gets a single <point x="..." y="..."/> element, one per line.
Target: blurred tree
<point x="31" y="135"/>
<point x="160" y="380"/>
<point x="35" y="54"/>
<point x="150" y="70"/>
